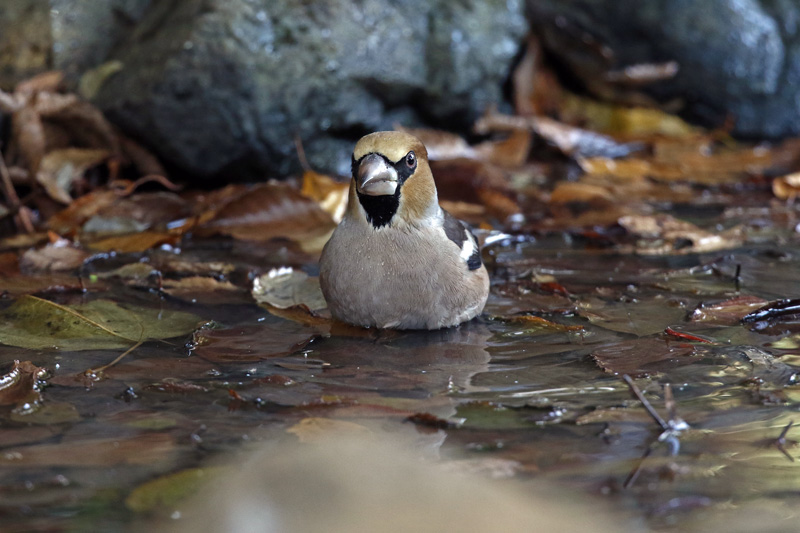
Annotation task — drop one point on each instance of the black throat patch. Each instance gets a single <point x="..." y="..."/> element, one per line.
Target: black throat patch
<point x="381" y="209"/>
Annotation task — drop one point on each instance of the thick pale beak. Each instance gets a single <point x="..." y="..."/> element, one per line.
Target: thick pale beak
<point x="375" y="176"/>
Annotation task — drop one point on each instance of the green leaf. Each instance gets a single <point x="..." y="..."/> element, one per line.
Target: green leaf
<point x="35" y="323"/>
<point x="168" y="491"/>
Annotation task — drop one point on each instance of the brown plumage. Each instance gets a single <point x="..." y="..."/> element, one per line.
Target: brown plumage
<point x="397" y="260"/>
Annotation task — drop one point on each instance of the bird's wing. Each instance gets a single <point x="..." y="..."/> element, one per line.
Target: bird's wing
<point x="458" y="232"/>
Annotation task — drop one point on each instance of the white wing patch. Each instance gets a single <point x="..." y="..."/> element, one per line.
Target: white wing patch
<point x="467" y="247"/>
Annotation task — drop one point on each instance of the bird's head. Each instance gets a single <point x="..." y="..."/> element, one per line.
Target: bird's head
<point x="392" y="182"/>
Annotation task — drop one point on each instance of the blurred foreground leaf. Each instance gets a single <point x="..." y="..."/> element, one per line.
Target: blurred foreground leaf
<point x="167" y="491"/>
<point x="35" y="323"/>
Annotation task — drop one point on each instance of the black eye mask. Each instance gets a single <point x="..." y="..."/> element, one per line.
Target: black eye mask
<point x="381" y="209"/>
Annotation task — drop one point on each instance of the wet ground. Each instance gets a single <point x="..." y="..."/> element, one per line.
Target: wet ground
<point x="535" y="384"/>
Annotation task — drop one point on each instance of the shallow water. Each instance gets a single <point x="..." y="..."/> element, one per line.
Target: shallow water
<point x="546" y="395"/>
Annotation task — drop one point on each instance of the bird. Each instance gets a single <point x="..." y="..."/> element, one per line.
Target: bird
<point x="397" y="260"/>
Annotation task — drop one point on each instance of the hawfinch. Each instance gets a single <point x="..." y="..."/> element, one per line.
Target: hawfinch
<point x="397" y="260"/>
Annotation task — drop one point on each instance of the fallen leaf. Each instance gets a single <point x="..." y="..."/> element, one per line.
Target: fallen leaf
<point x="569" y="192"/>
<point x="570" y="140"/>
<point x="145" y="450"/>
<point x="49" y="81"/>
<point x="244" y="344"/>
<point x="22" y="384"/>
<point x="47" y="414"/>
<point x="167" y="492"/>
<point x="641" y="357"/>
<point x="331" y="195"/>
<point x="729" y="312"/>
<point x="29" y="138"/>
<point x="665" y="234"/>
<point x="59" y="169"/>
<point x="271" y="211"/>
<point x="638" y="318"/>
<point x="59" y="256"/>
<point x="80" y="210"/>
<point x="316" y="429"/>
<point x="133" y="242"/>
<point x="786" y="187"/>
<point x="441" y="144"/>
<point x="32" y="322"/>
<point x="286" y="287"/>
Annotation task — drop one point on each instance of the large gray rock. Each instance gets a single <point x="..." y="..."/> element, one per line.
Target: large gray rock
<point x="737" y="58"/>
<point x="224" y="87"/>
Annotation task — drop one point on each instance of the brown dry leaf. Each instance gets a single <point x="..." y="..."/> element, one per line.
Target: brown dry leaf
<point x="59" y="169"/>
<point x="729" y="312"/>
<point x="45" y="82"/>
<point x="146" y="449"/>
<point x="440" y="144"/>
<point x="539" y="323"/>
<point x="568" y="192"/>
<point x="693" y="165"/>
<point x="536" y="88"/>
<point x="787" y="187"/>
<point x="511" y="152"/>
<point x="132" y="242"/>
<point x="80" y="210"/>
<point x="665" y="234"/>
<point x="87" y="124"/>
<point x="641" y="357"/>
<point x="570" y="140"/>
<point x="144" y="161"/>
<point x="57" y="256"/>
<point x="475" y="182"/>
<point x="21" y="384"/>
<point x="316" y="429"/>
<point x="196" y="285"/>
<point x="331" y="195"/>
<point x="29" y="139"/>
<point x="627" y="122"/>
<point x="270" y="211"/>
<point x="140" y="211"/>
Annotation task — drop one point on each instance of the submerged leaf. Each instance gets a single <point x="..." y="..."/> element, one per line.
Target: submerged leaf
<point x="21" y="384"/>
<point x="35" y="323"/>
<point x="286" y="287"/>
<point x="168" y="491"/>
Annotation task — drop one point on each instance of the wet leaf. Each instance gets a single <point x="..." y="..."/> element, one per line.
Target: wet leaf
<point x="663" y="234"/>
<point x="286" y="287"/>
<point x="47" y="414"/>
<point x="134" y="242"/>
<point x="243" y="344"/>
<point x="321" y="429"/>
<point x="639" y="318"/>
<point x="146" y="449"/>
<point x="34" y="323"/>
<point x="22" y="384"/>
<point x="728" y="312"/>
<point x="166" y="492"/>
<point x="642" y="357"/>
<point x="58" y="255"/>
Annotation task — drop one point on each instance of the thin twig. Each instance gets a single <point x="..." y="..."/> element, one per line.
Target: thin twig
<point x="649" y="408"/>
<point x="301" y="153"/>
<point x="780" y="442"/>
<point x="96" y="374"/>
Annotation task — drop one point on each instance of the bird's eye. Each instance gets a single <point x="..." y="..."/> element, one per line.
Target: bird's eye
<point x="411" y="159"/>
